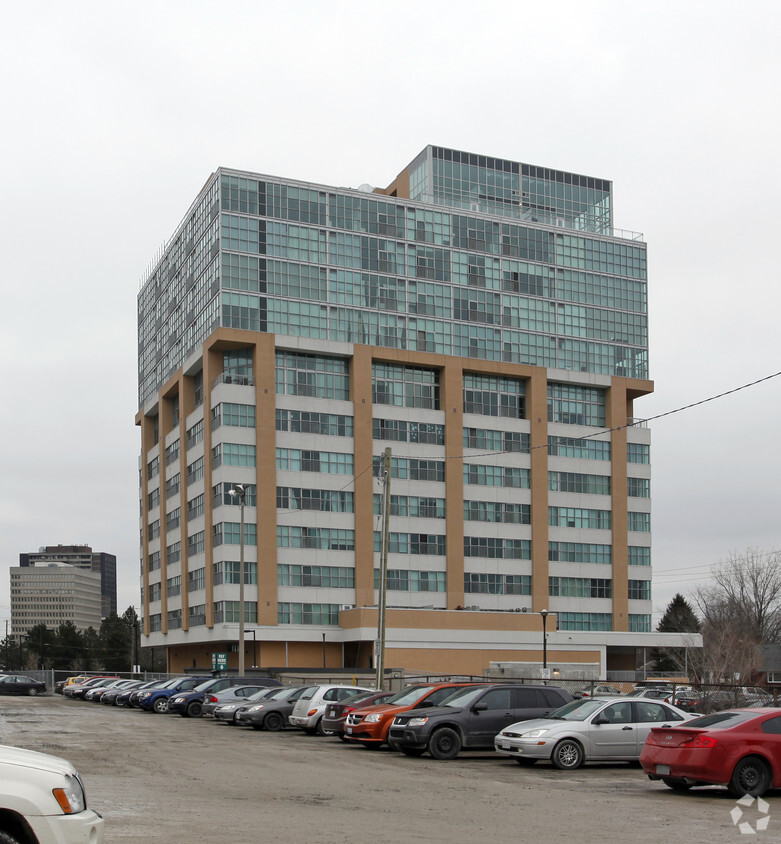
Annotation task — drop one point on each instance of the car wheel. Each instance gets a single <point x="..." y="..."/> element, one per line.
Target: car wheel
<point x="273" y="722"/>
<point x="160" y="705"/>
<point x="524" y="761"/>
<point x="567" y="755"/>
<point x="751" y="776"/>
<point x="194" y="709"/>
<point x="5" y="838"/>
<point x="32" y="691"/>
<point x="444" y="744"/>
<point x="676" y="785"/>
<point x="411" y="751"/>
<point x="319" y="729"/>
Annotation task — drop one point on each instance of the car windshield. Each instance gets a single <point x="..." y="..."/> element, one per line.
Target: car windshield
<point x="203" y="687"/>
<point x="463" y="697"/>
<point x="720" y="720"/>
<point x="277" y="694"/>
<point x="577" y="710"/>
<point x="411" y="695"/>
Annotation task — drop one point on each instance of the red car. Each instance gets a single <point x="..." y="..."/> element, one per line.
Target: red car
<point x="738" y="748"/>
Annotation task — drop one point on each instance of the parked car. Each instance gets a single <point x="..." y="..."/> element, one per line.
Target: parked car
<point x="271" y="713"/>
<point x="69" y="681"/>
<point x="370" y="725"/>
<point x="156" y="700"/>
<point x="736" y="748"/>
<point x="131" y="701"/>
<point x="310" y="707"/>
<point x="190" y="704"/>
<point x="600" y="690"/>
<point x="43" y="796"/>
<point x="109" y="697"/>
<point x="96" y="693"/>
<point x="652" y="693"/>
<point x="336" y="713"/>
<point x="593" y="729"/>
<point x="225" y="713"/>
<point x="471" y="717"/>
<point x="233" y="694"/>
<point x="17" y="684"/>
<point x="78" y="690"/>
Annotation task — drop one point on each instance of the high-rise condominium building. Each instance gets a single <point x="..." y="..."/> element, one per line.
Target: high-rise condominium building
<point x="82" y="557"/>
<point x="483" y="319"/>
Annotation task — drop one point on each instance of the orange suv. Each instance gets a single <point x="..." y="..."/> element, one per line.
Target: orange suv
<point x="370" y="726"/>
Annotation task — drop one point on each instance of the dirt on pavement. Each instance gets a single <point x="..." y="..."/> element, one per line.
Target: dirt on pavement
<point x="174" y="779"/>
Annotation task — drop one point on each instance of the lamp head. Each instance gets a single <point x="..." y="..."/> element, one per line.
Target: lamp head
<point x="544" y="613"/>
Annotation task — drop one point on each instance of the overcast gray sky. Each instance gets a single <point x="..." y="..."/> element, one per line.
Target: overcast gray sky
<point x="114" y="115"/>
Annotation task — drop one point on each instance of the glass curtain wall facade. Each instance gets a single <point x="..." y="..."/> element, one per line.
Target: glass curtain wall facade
<point x="482" y="317"/>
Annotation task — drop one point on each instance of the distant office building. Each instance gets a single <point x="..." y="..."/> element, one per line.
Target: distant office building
<point x="82" y="557"/>
<point x="53" y="593"/>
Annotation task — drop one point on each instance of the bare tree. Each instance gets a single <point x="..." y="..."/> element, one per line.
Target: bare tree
<point x="740" y="610"/>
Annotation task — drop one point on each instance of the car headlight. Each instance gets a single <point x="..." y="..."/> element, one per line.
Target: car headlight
<point x="416" y="722"/>
<point x="535" y="733"/>
<point x="255" y="708"/>
<point x="374" y="717"/>
<point x="145" y="694"/>
<point x="71" y="799"/>
<point x="178" y="700"/>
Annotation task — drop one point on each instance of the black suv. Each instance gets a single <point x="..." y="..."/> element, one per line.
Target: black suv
<point x="471" y="717"/>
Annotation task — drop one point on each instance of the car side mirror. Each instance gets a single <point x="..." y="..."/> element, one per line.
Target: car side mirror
<point x="480" y="707"/>
<point x="600" y="721"/>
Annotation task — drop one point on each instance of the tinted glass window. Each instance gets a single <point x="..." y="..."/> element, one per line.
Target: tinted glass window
<point x="497" y="699"/>
<point x="438" y="695"/>
<point x="721" y="720"/>
<point x="553" y="697"/>
<point x="331" y="694"/>
<point x="527" y="699"/>
<point x="308" y="693"/>
<point x="670" y="715"/>
<point x="650" y="712"/>
<point x="617" y="713"/>
<point x="772" y="725"/>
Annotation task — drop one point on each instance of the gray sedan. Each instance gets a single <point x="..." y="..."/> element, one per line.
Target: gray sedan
<point x="234" y="696"/>
<point x="588" y="730"/>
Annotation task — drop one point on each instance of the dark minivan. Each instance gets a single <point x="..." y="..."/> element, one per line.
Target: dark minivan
<point x="471" y="717"/>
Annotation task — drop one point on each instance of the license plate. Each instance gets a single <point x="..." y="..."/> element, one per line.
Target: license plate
<point x="664" y="770"/>
<point x="348" y="729"/>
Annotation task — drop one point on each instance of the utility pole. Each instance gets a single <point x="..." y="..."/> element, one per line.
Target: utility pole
<point x="380" y="645"/>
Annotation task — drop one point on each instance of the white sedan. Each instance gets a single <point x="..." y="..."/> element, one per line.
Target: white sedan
<point x="588" y="730"/>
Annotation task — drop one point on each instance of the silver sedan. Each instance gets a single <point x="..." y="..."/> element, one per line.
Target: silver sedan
<point x="589" y="730"/>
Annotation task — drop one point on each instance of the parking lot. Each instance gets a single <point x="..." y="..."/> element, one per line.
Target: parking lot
<point x="169" y="778"/>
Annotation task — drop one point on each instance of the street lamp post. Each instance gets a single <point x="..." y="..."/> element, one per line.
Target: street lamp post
<point x="240" y="491"/>
<point x="544" y="614"/>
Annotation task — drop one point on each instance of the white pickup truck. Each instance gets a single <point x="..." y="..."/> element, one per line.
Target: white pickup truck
<point x="42" y="801"/>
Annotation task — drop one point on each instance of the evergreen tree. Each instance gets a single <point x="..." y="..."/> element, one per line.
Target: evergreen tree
<point x="115" y="638"/>
<point x="679" y="617"/>
<point x="69" y="649"/>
